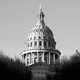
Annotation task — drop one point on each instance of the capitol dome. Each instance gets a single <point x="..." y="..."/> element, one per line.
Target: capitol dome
<point x="41" y="34"/>
<point x="40" y="44"/>
<point x="42" y="29"/>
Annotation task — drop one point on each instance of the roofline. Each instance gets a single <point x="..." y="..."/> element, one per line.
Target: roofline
<point x="41" y="50"/>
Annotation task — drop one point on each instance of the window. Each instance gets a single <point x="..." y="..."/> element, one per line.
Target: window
<point x="40" y="44"/>
<point x="49" y="44"/>
<point x="34" y="37"/>
<point x="31" y="44"/>
<point x="44" y="43"/>
<point x="28" y="44"/>
<point x="39" y="37"/>
<point x="35" y="44"/>
<point x="44" y="37"/>
<point x="24" y="56"/>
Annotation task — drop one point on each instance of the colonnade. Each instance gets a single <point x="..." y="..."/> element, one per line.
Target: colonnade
<point x="35" y="57"/>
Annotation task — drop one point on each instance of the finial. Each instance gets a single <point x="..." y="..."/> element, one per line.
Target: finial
<point x="40" y="7"/>
<point x="41" y="14"/>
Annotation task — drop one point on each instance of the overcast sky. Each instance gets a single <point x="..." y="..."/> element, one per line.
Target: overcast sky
<point x="17" y="17"/>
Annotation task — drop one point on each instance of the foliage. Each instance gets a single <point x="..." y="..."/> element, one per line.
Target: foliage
<point x="14" y="69"/>
<point x="11" y="69"/>
<point x="68" y="69"/>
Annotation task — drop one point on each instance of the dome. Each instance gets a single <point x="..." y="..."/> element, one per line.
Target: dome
<point x="40" y="28"/>
<point x="40" y="36"/>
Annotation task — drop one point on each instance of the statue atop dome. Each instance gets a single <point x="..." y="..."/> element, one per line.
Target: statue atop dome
<point x="41" y="14"/>
<point x="40" y="7"/>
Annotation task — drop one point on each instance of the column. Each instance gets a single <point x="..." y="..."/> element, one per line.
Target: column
<point x="26" y="59"/>
<point x="31" y="58"/>
<point x="43" y="57"/>
<point x="49" y="57"/>
<point x="37" y="57"/>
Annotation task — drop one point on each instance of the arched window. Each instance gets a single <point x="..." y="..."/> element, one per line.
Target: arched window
<point x="49" y="44"/>
<point x="35" y="43"/>
<point x="40" y="44"/>
<point x="39" y="37"/>
<point x="45" y="44"/>
<point x="31" y="44"/>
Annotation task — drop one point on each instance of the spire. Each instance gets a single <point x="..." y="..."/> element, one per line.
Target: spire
<point x="41" y="14"/>
<point x="40" y="7"/>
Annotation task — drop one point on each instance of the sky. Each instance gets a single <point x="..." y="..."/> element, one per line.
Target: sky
<point x="18" y="17"/>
